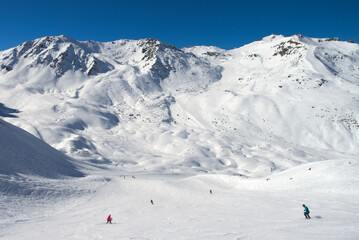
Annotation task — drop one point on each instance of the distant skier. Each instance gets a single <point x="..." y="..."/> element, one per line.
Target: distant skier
<point x="210" y="191"/>
<point x="151" y="202"/>
<point x="109" y="219"/>
<point x="306" y="211"/>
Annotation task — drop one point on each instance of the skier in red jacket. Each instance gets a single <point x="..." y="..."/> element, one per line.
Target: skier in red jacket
<point x="109" y="219"/>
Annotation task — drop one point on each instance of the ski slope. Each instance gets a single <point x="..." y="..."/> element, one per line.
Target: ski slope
<point x="89" y="129"/>
<point x="184" y="209"/>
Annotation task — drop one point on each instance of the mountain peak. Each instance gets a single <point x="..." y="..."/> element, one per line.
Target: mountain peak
<point x="264" y="91"/>
<point x="60" y="53"/>
<point x="272" y="37"/>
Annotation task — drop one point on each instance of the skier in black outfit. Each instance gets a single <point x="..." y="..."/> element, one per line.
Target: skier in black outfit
<point x="306" y="211"/>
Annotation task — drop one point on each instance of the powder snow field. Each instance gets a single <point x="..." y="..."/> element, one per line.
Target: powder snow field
<point x="91" y="128"/>
<point x="184" y="209"/>
<point x="34" y="207"/>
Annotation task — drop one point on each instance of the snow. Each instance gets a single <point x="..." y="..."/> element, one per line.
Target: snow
<point x="21" y="153"/>
<point x="89" y="129"/>
<point x="184" y="209"/>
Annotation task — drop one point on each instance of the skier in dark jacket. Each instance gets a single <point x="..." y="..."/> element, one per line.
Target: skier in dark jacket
<point x="306" y="211"/>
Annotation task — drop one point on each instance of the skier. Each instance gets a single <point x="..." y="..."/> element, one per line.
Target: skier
<point x="151" y="202"/>
<point x="306" y="211"/>
<point x="109" y="219"/>
<point x="210" y="191"/>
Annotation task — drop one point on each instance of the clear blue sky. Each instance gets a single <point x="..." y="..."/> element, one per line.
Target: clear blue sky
<point x="223" y="23"/>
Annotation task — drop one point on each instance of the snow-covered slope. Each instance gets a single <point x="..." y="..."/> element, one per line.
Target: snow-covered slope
<point x="23" y="154"/>
<point x="184" y="208"/>
<point x="268" y="127"/>
<point x="145" y="104"/>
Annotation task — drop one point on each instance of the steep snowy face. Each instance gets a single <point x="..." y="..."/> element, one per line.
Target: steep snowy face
<point x="58" y="53"/>
<point x="150" y="60"/>
<point x="180" y="71"/>
<point x="23" y="154"/>
<point x="268" y="105"/>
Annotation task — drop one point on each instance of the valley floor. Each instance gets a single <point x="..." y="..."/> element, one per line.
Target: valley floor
<point x="184" y="208"/>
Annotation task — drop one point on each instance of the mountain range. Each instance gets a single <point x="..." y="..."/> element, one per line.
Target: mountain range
<point x="144" y="104"/>
<point x="191" y="143"/>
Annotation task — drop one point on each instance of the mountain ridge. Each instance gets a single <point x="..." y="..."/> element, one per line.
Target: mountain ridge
<point x="204" y="108"/>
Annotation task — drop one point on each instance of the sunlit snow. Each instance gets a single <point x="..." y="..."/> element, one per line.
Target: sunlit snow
<point x="89" y="129"/>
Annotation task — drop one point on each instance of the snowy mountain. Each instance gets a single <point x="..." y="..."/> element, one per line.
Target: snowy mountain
<point x="91" y="128"/>
<point x="144" y="103"/>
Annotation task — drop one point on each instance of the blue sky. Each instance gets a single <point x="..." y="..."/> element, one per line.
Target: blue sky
<point x="224" y="23"/>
